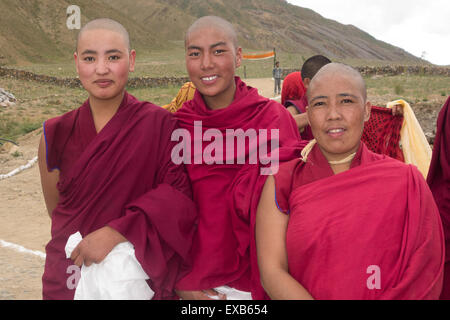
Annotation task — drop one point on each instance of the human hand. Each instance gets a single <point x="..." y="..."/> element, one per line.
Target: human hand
<point x="96" y="246"/>
<point x="397" y="110"/>
<point x="201" y="295"/>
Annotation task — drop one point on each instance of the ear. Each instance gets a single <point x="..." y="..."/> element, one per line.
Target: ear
<point x="132" y="60"/>
<point x="75" y="57"/>
<point x="307" y="113"/>
<point x="367" y="109"/>
<point x="306" y="82"/>
<point x="238" y="57"/>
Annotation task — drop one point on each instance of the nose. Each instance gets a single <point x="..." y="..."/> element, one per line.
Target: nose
<point x="102" y="66"/>
<point x="207" y="61"/>
<point x="333" y="111"/>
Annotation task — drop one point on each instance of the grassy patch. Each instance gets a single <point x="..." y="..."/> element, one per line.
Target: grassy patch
<point x="412" y="88"/>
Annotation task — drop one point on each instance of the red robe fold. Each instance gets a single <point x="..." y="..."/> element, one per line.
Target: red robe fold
<point x="225" y="193"/>
<point x="122" y="177"/>
<point x="439" y="181"/>
<point x="372" y="232"/>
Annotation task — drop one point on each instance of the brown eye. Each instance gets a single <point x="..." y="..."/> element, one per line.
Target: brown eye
<point x="318" y="104"/>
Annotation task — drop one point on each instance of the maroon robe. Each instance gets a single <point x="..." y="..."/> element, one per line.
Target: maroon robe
<point x="301" y="105"/>
<point x="227" y="193"/>
<point x="122" y="177"/>
<point x="439" y="181"/>
<point x="371" y="232"/>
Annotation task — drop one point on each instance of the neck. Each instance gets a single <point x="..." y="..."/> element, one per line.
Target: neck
<point x="342" y="162"/>
<point x="223" y="100"/>
<point x="338" y="168"/>
<point x="104" y="110"/>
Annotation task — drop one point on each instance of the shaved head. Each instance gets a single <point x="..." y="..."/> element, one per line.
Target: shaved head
<point x="105" y="24"/>
<point x="340" y="70"/>
<point x="213" y="22"/>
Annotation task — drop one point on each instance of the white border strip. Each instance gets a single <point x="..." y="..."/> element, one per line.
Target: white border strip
<point x="21" y="249"/>
<point x="19" y="169"/>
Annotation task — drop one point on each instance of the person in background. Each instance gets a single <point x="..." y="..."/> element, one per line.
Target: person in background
<point x="276" y="74"/>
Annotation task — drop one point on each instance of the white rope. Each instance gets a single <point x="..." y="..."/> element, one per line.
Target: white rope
<point x="277" y="98"/>
<point x="21" y="249"/>
<point x="19" y="169"/>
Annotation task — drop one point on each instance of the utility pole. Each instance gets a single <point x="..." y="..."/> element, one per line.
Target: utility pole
<point x="274" y="57"/>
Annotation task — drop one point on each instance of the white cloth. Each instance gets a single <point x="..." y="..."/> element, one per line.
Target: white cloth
<point x="233" y="294"/>
<point x="118" y="277"/>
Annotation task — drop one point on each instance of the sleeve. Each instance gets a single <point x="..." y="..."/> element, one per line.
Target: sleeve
<point x="283" y="185"/>
<point x="290" y="103"/>
<point x="56" y="134"/>
<point x="161" y="224"/>
<point x="51" y="152"/>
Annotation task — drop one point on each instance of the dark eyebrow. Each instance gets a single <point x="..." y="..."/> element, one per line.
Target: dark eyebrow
<point x="221" y="43"/>
<point x="347" y="95"/>
<point x="194" y="47"/>
<point x="89" y="52"/>
<point x="95" y="52"/>
<point x="318" y="97"/>
<point x="113" y="51"/>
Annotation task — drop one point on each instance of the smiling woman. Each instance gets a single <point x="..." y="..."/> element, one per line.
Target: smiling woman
<point x="337" y="112"/>
<point x="326" y="221"/>
<point x="212" y="55"/>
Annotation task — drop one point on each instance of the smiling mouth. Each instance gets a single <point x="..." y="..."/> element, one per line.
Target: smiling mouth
<point x="210" y="78"/>
<point x="336" y="132"/>
<point x="339" y="130"/>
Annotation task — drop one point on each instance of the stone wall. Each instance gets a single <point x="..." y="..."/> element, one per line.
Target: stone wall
<point x="138" y="82"/>
<point x="148" y="82"/>
<point x="395" y="70"/>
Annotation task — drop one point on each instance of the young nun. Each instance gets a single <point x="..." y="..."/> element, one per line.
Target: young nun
<point x="342" y="222"/>
<point x="226" y="182"/>
<point x="106" y="171"/>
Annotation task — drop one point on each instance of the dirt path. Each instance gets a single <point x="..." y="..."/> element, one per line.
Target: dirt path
<point x="24" y="221"/>
<point x="265" y="86"/>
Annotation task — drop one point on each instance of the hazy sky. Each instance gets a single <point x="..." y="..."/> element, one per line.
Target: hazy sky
<point x="416" y="26"/>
